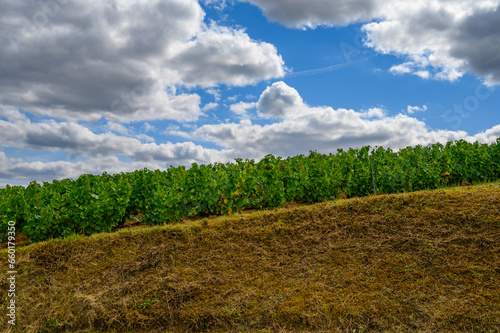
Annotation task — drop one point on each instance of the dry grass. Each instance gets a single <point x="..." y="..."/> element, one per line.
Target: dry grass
<point x="415" y="262"/>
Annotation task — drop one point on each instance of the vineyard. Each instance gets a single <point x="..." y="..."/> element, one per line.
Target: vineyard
<point x="93" y="204"/>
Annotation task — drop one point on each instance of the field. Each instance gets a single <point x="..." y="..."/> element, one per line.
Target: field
<point x="424" y="261"/>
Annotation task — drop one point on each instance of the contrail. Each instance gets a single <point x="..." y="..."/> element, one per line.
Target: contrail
<point x="327" y="69"/>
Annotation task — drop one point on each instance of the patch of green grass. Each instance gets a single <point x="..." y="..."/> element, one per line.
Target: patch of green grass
<point x="148" y="303"/>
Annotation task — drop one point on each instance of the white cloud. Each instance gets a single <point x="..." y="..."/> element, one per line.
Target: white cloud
<point x="118" y="128"/>
<point x="401" y="68"/>
<point x="215" y="92"/>
<point x="151" y="156"/>
<point x="78" y="140"/>
<point x="217" y="4"/>
<point x="412" y="109"/>
<point x="210" y="106"/>
<point x="305" y="13"/>
<point x="144" y="138"/>
<point x="115" y="59"/>
<point x="22" y="172"/>
<point x="439" y="39"/>
<point x="125" y="131"/>
<point x="224" y="55"/>
<point x="241" y="108"/>
<point x="303" y="128"/>
<point x="374" y="113"/>
<point x="488" y="136"/>
<point x="157" y="105"/>
<point x="147" y="127"/>
<point x="423" y="74"/>
<point x="174" y="130"/>
<point x="280" y="100"/>
<point x="413" y="67"/>
<point x="449" y="37"/>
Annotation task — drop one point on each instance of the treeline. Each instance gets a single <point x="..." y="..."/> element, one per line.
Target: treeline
<point x="92" y="204"/>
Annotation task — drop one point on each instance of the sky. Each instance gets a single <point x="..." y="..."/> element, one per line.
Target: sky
<point x="121" y="85"/>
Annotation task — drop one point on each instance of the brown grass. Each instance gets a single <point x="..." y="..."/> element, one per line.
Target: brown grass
<point x="414" y="262"/>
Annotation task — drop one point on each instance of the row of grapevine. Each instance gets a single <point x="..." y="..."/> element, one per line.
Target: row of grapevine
<point x="88" y="205"/>
<point x="93" y="204"/>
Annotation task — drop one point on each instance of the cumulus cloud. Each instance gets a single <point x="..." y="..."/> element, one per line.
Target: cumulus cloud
<point x="229" y="56"/>
<point x="478" y="43"/>
<point x="22" y="172"/>
<point x="412" y="109"/>
<point x="404" y="68"/>
<point x="147" y="127"/>
<point x="374" y="113"/>
<point x="81" y="61"/>
<point x="489" y="135"/>
<point x="80" y="141"/>
<point x="301" y="13"/>
<point x="210" y="106"/>
<point x="280" y="100"/>
<point x="151" y="156"/>
<point x="303" y="128"/>
<point x="118" y="128"/>
<point x="438" y="39"/>
<point x="323" y="129"/>
<point x="17" y="171"/>
<point x="413" y="67"/>
<point x="241" y="109"/>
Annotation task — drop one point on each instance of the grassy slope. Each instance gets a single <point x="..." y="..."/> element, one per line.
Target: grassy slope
<point x="425" y="261"/>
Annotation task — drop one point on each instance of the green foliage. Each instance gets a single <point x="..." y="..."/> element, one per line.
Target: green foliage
<point x="147" y="304"/>
<point x="88" y="205"/>
<point x="11" y="208"/>
<point x="54" y="326"/>
<point x="102" y="203"/>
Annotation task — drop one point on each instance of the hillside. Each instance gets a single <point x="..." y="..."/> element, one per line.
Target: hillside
<point x="414" y="262"/>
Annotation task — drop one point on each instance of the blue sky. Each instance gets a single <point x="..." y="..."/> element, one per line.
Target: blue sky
<point x="121" y="85"/>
